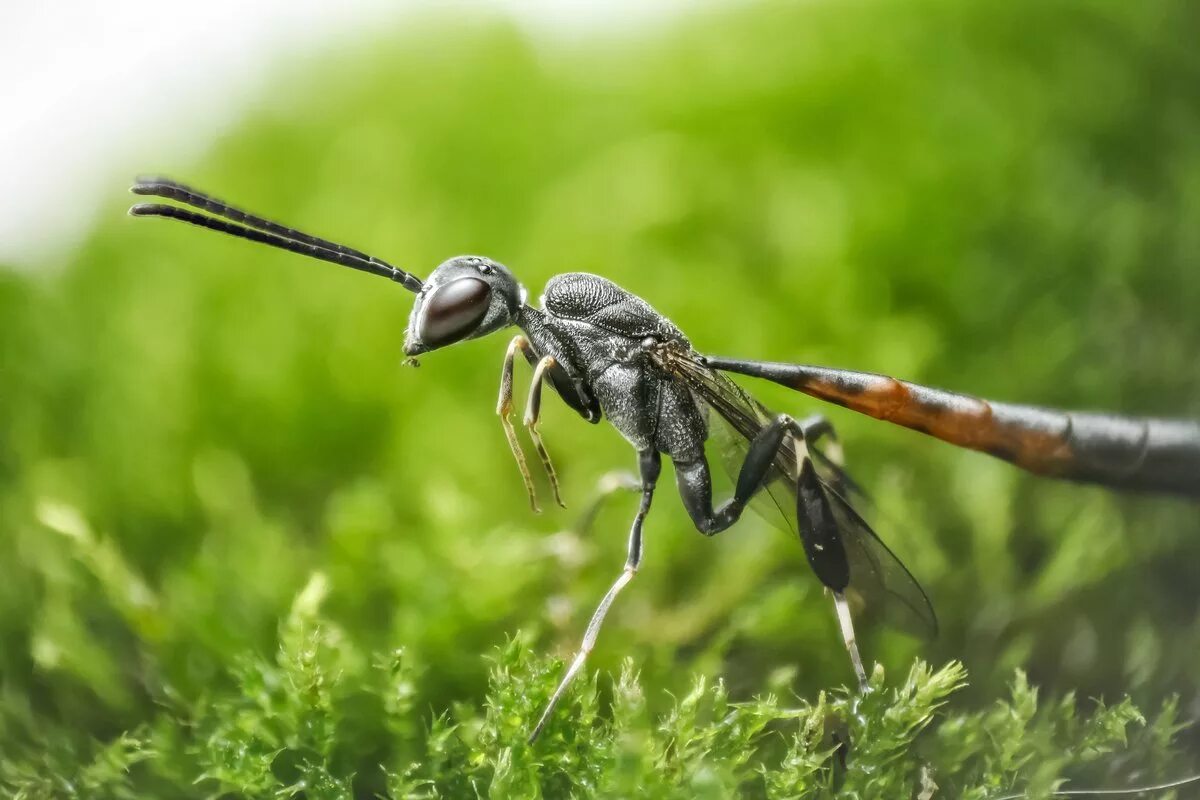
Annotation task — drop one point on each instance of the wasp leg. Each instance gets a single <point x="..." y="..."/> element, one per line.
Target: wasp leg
<point x="815" y="428"/>
<point x="831" y="459"/>
<point x="504" y="409"/>
<point x="814" y="513"/>
<point x="695" y="489"/>
<point x="650" y="464"/>
<point x="847" y="627"/>
<point x="609" y="484"/>
<point x="695" y="480"/>
<point x="818" y="427"/>
<point x="533" y="413"/>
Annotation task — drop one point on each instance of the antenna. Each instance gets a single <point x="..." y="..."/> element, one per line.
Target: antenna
<point x="258" y="229"/>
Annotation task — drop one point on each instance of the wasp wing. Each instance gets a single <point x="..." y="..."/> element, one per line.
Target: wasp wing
<point x="878" y="579"/>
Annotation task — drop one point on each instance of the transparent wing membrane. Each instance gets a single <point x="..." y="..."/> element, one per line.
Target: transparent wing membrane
<point x="879" y="578"/>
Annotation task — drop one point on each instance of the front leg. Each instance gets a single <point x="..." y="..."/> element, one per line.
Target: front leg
<point x="533" y="413"/>
<point x="576" y="394"/>
<point x="504" y="409"/>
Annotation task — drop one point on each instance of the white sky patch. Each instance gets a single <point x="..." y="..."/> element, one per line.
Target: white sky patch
<point x="92" y="91"/>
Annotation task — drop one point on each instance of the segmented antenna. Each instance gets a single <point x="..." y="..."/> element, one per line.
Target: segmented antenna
<point x="245" y="225"/>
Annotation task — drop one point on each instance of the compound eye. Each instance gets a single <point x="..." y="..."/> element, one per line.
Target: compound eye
<point x="453" y="310"/>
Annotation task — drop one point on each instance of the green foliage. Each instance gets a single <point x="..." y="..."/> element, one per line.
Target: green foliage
<point x="246" y="553"/>
<point x="296" y="725"/>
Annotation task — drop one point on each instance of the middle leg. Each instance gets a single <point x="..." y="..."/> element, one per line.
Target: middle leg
<point x="650" y="464"/>
<point x="609" y="484"/>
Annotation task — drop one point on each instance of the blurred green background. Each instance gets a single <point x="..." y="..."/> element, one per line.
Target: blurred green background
<point x="1000" y="198"/>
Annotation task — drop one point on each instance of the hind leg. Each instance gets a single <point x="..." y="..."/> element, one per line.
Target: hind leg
<point x="818" y="527"/>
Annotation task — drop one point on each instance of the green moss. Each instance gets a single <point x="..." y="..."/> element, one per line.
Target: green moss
<point x="308" y="722"/>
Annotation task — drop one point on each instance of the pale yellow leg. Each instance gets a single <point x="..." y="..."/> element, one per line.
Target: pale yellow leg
<point x="533" y="410"/>
<point x="504" y="409"/>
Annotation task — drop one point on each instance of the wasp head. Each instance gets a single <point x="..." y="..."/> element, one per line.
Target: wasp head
<point x="465" y="298"/>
